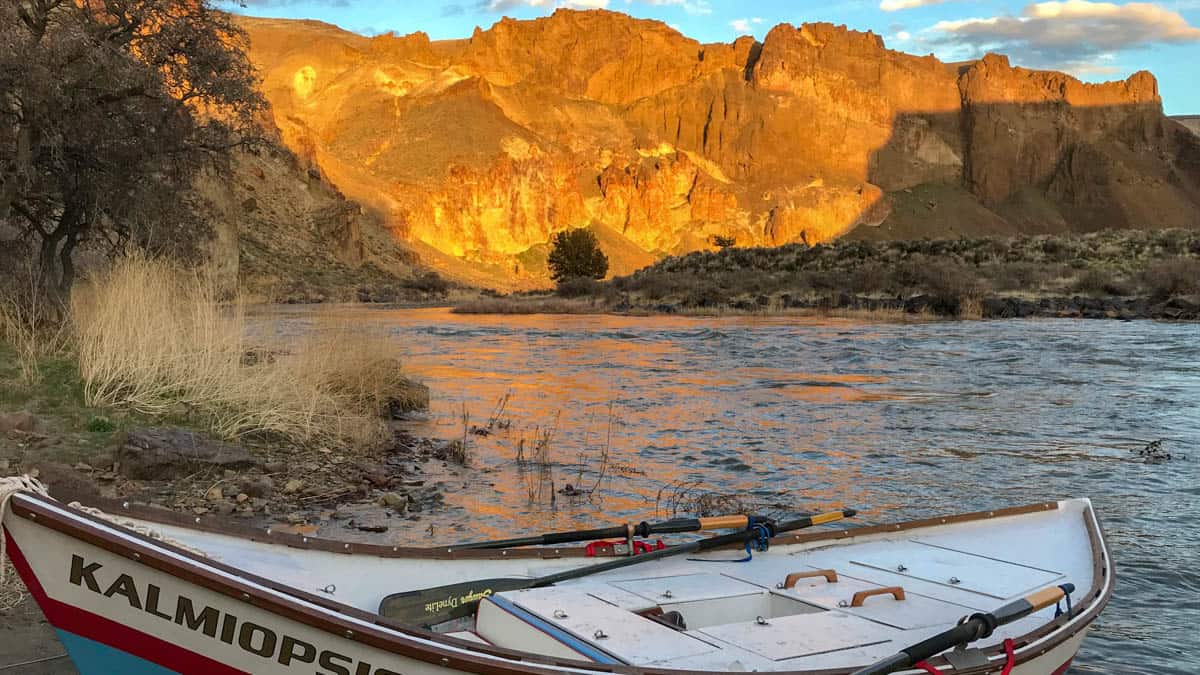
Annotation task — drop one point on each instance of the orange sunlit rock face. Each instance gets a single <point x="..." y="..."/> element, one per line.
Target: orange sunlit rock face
<point x="481" y="149"/>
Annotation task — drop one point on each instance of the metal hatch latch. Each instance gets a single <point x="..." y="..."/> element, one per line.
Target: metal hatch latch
<point x="966" y="658"/>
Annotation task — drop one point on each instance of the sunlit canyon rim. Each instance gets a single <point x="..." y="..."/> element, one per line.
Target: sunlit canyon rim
<point x="476" y="151"/>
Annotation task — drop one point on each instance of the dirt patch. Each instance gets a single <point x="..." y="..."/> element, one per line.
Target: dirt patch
<point x="28" y="644"/>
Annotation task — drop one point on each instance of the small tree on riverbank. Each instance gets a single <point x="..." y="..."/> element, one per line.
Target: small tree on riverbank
<point x="576" y="254"/>
<point x="108" y="110"/>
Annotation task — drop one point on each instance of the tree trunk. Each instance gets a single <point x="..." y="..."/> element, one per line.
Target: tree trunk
<point x="17" y="175"/>
<point x="48" y="262"/>
<point x="52" y="260"/>
<point x="67" y="263"/>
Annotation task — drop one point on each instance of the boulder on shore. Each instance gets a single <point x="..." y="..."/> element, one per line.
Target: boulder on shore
<point x="21" y="420"/>
<point x="168" y="454"/>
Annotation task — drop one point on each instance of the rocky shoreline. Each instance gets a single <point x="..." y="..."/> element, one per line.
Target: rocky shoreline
<point x="182" y="470"/>
<point x="314" y="492"/>
<point x="327" y="486"/>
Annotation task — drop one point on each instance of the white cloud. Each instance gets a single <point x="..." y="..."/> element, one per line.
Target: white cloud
<point x="504" y="5"/>
<point x="689" y="6"/>
<point x="1067" y="34"/>
<point x="903" y="35"/>
<point x="897" y="5"/>
<point x="745" y="26"/>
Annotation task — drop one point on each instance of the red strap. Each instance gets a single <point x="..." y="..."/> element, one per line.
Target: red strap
<point x="1008" y="665"/>
<point x="1012" y="658"/>
<point x="593" y="549"/>
<point x="639" y="546"/>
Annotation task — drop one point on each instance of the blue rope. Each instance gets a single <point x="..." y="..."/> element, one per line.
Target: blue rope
<point x="1058" y="606"/>
<point x="761" y="542"/>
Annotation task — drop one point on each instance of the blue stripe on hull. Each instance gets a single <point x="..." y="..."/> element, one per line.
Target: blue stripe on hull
<point x="94" y="658"/>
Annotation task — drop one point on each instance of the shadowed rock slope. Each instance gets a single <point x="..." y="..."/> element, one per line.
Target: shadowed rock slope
<point x="475" y="151"/>
<point x="284" y="234"/>
<point x="1192" y="122"/>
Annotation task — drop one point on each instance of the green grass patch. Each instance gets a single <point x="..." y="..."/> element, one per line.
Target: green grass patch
<point x="57" y="399"/>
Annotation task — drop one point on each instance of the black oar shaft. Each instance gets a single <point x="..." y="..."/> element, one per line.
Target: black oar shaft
<point x="434" y="605"/>
<point x="690" y="547"/>
<point x="979" y="626"/>
<point x="548" y="539"/>
<point x="642" y="529"/>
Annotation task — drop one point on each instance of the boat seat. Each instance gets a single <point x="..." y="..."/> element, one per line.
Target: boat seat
<point x="802" y="635"/>
<point x="895" y="606"/>
<point x="468" y="636"/>
<point x="560" y="621"/>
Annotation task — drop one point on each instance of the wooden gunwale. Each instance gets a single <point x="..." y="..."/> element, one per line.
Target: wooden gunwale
<point x="401" y="639"/>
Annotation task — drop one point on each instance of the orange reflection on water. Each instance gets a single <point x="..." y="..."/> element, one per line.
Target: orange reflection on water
<point x="698" y="407"/>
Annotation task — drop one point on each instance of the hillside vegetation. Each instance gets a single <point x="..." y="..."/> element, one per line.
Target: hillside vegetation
<point x="1115" y="274"/>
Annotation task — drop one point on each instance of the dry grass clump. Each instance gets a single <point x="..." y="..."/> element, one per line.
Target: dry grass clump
<point x="30" y="322"/>
<point x="1172" y="277"/>
<point x="537" y="469"/>
<point x="155" y="337"/>
<point x="12" y="589"/>
<point x="694" y="498"/>
<point x="1101" y="282"/>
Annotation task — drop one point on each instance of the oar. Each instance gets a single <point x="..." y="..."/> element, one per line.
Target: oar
<point x="978" y="627"/>
<point x="642" y="529"/>
<point x="435" y="605"/>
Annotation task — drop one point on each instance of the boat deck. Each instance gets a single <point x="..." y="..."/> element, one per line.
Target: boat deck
<point x="736" y="616"/>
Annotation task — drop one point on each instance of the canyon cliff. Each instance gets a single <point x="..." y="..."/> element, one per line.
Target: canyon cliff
<point x="474" y="152"/>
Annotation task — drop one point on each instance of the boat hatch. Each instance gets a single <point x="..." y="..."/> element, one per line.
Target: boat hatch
<point x="802" y="635"/>
<point x="995" y="578"/>
<point x="914" y="611"/>
<point x="710" y="599"/>
<point x="627" y="636"/>
<point x="688" y="587"/>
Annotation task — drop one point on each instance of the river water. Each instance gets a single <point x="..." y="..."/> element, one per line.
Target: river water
<point x="900" y="421"/>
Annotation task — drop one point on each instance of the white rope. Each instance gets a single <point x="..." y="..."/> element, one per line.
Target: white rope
<point x="14" y="484"/>
<point x="9" y="487"/>
<point x="135" y="527"/>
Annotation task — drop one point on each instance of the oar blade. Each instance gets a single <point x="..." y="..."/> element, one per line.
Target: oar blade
<point x="430" y="606"/>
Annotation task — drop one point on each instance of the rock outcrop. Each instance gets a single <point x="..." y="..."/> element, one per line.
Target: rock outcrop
<point x="476" y="151"/>
<point x="284" y="233"/>
<point x="1191" y="122"/>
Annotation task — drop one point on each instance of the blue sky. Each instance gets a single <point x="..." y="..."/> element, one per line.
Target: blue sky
<point x="1095" y="41"/>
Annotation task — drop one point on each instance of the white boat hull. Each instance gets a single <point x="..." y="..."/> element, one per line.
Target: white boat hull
<point x="122" y="604"/>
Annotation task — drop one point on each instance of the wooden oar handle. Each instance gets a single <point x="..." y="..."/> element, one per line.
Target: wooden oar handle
<point x="978" y="627"/>
<point x="830" y="577"/>
<point x="861" y="596"/>
<point x="1044" y="598"/>
<point x="724" y="523"/>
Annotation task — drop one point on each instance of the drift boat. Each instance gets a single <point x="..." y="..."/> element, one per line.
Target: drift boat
<point x="135" y="591"/>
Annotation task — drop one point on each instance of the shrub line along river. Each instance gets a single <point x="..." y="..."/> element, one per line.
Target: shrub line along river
<point x="901" y="421"/>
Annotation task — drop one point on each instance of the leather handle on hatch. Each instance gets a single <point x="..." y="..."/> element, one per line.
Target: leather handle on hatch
<point x="861" y="596"/>
<point x="830" y="577"/>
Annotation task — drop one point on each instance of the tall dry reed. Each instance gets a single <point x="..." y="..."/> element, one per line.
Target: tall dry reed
<point x="158" y="338"/>
<point x="30" y="322"/>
